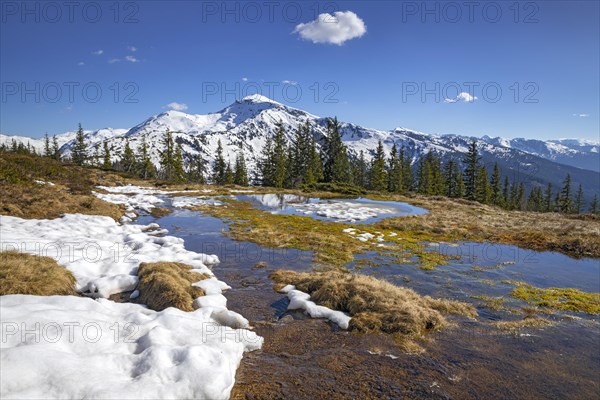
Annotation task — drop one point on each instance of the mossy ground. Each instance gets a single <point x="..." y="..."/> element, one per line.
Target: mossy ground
<point x="330" y="244"/>
<point x="562" y="299"/>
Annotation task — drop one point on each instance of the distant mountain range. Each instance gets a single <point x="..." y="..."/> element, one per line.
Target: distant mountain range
<point x="246" y="124"/>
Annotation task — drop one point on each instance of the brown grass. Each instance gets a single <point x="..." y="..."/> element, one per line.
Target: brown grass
<point x="576" y="236"/>
<point x="23" y="197"/>
<point x="22" y="273"/>
<point x="374" y="304"/>
<point x="526" y="322"/>
<point x="159" y="212"/>
<point x="168" y="284"/>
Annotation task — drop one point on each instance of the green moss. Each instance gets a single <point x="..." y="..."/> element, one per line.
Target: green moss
<point x="565" y="299"/>
<point x="331" y="246"/>
<point x="494" y="303"/>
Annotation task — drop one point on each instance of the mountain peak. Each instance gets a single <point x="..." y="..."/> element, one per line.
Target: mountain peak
<point x="258" y="98"/>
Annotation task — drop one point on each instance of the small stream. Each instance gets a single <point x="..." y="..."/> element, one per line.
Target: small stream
<point x="307" y="358"/>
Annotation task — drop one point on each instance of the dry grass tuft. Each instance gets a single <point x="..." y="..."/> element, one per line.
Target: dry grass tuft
<point x="22" y="273"/>
<point x="168" y="284"/>
<point x="159" y="212"/>
<point x="527" y="322"/>
<point x="375" y="305"/>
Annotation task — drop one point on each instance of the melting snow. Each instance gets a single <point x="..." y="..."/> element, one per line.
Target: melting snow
<point x="301" y="300"/>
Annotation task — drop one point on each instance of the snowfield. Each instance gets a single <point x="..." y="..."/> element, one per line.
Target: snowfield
<point x="84" y="349"/>
<point x="91" y="347"/>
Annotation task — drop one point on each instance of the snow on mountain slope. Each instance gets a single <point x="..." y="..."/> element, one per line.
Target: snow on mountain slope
<point x="245" y="125"/>
<point x="579" y="153"/>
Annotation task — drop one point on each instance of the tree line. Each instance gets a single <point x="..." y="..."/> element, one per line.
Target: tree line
<point x="303" y="162"/>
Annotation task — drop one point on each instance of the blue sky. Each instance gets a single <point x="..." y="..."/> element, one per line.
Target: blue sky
<point x="406" y="68"/>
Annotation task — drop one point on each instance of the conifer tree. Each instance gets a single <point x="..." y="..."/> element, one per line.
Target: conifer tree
<point x="451" y="173"/>
<point x="471" y="162"/>
<point x="79" y="152"/>
<point x="106" y="161"/>
<point x="360" y="170"/>
<point x="594" y="205"/>
<point x="266" y="164"/>
<point x="336" y="166"/>
<point x="378" y="177"/>
<point x="506" y="194"/>
<point x="578" y="205"/>
<point x="219" y="167"/>
<point x="197" y="170"/>
<point x="146" y="167"/>
<point x="314" y="171"/>
<point x="565" y="200"/>
<point x="407" y="174"/>
<point x="179" y="175"/>
<point x="280" y="157"/>
<point x="47" y="149"/>
<point x="241" y="173"/>
<point x="483" y="191"/>
<point x="167" y="156"/>
<point x="394" y="171"/>
<point x="496" y="190"/>
<point x="548" y="206"/>
<point x="127" y="162"/>
<point x="229" y="177"/>
<point x="55" y="148"/>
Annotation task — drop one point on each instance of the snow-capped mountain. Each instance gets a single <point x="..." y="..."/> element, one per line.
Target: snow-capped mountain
<point x="575" y="152"/>
<point x="245" y="125"/>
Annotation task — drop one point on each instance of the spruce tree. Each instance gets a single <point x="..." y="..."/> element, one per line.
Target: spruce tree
<point x="179" y="175"/>
<point x="266" y="164"/>
<point x="241" y="173"/>
<point x="565" y="201"/>
<point x="407" y="174"/>
<point x="483" y="191"/>
<point x="496" y="190"/>
<point x="594" y="205"/>
<point x="106" y="161"/>
<point x="146" y="167"/>
<point x="79" y="152"/>
<point x="336" y="166"/>
<point x="378" y="177"/>
<point x="55" y="148"/>
<point x="314" y="171"/>
<point x="506" y="194"/>
<point x="127" y="162"/>
<point x="280" y="157"/>
<point x="548" y="206"/>
<point x="47" y="149"/>
<point x="219" y="167"/>
<point x="167" y="156"/>
<point x="578" y="205"/>
<point x="451" y="176"/>
<point x="394" y="171"/>
<point x="471" y="162"/>
<point x="229" y="177"/>
<point x="197" y="170"/>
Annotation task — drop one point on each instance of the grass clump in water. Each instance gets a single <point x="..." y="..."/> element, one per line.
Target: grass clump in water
<point x="168" y="284"/>
<point x="375" y="305"/>
<point x="526" y="322"/>
<point x="564" y="299"/>
<point x="22" y="273"/>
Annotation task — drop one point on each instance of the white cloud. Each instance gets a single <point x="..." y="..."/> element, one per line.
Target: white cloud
<point x="176" y="106"/>
<point x="333" y="29"/>
<point x="131" y="59"/>
<point x="581" y="115"/>
<point x="98" y="52"/>
<point x="113" y="60"/>
<point x="132" y="48"/>
<point x="462" y="96"/>
<point x="245" y="79"/>
<point x="81" y="63"/>
<point x="286" y="82"/>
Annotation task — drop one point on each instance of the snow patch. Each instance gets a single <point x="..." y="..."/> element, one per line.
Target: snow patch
<point x="301" y="301"/>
